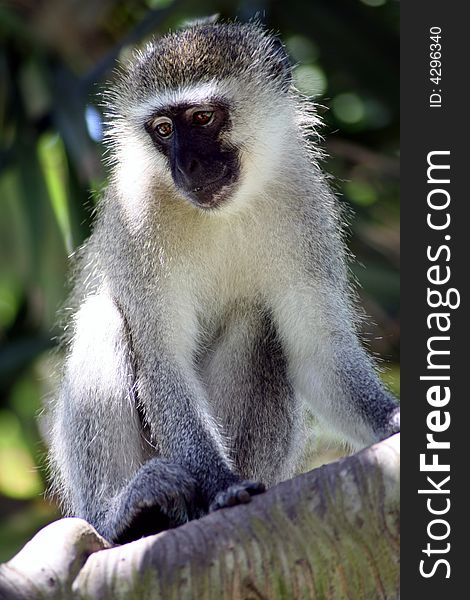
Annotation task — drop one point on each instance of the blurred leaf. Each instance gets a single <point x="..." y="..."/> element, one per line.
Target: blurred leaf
<point x="310" y="80"/>
<point x="31" y="190"/>
<point x="10" y="294"/>
<point x="17" y="354"/>
<point x="35" y="95"/>
<point x="25" y="401"/>
<point x="348" y="108"/>
<point x="361" y="192"/>
<point x="391" y="378"/>
<point x="23" y="523"/>
<point x="374" y="3"/>
<point x="18" y="476"/>
<point x="54" y="164"/>
<point x="380" y="283"/>
<point x="302" y="49"/>
<point x="158" y="3"/>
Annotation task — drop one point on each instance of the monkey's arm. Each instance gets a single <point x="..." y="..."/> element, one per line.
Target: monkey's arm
<point x="97" y="446"/>
<point x="173" y="402"/>
<point x="329" y="366"/>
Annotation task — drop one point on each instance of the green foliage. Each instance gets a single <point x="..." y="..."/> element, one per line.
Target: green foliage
<point x="52" y="62"/>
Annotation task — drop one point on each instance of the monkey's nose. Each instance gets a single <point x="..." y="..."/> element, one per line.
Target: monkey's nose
<point x="189" y="173"/>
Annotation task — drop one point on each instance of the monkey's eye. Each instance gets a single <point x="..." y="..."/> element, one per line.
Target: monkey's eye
<point x="203" y="117"/>
<point x="163" y="126"/>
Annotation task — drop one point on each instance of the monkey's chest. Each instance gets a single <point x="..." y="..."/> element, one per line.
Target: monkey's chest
<point x="238" y="342"/>
<point x="219" y="291"/>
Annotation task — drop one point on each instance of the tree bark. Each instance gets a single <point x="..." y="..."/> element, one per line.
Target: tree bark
<point x="330" y="534"/>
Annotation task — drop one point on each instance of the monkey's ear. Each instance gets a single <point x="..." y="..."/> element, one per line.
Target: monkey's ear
<point x="282" y="65"/>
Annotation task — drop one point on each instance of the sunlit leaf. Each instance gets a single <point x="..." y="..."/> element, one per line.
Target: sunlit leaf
<point x="18" y="475"/>
<point x="54" y="164"/>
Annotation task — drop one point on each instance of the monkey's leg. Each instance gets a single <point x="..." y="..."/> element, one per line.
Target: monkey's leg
<point x="98" y="448"/>
<point x="245" y="374"/>
<point x="328" y="365"/>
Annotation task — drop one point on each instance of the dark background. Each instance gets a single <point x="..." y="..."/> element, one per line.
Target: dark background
<point x="54" y="56"/>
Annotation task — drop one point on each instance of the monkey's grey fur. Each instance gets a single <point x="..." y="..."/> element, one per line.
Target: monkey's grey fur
<point x="205" y="318"/>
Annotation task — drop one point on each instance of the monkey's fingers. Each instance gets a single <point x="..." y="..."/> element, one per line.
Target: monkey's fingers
<point x="240" y="493"/>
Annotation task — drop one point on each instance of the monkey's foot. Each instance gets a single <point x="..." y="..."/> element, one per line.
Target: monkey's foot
<point x="160" y="496"/>
<point x="239" y="493"/>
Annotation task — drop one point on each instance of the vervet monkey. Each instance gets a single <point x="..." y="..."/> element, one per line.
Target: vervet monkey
<point x="212" y="297"/>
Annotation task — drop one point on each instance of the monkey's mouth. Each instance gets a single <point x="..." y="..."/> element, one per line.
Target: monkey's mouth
<point x="212" y="194"/>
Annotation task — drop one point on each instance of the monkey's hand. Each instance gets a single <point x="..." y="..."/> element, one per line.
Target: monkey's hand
<point x="239" y="493"/>
<point x="161" y="495"/>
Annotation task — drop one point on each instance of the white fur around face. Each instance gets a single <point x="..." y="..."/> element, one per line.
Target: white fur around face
<point x="191" y="94"/>
<point x="260" y="135"/>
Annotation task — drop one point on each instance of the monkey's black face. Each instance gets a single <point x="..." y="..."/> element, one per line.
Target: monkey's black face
<point x="189" y="136"/>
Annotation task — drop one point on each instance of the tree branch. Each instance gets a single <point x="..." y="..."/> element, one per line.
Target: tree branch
<point x="330" y="534"/>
